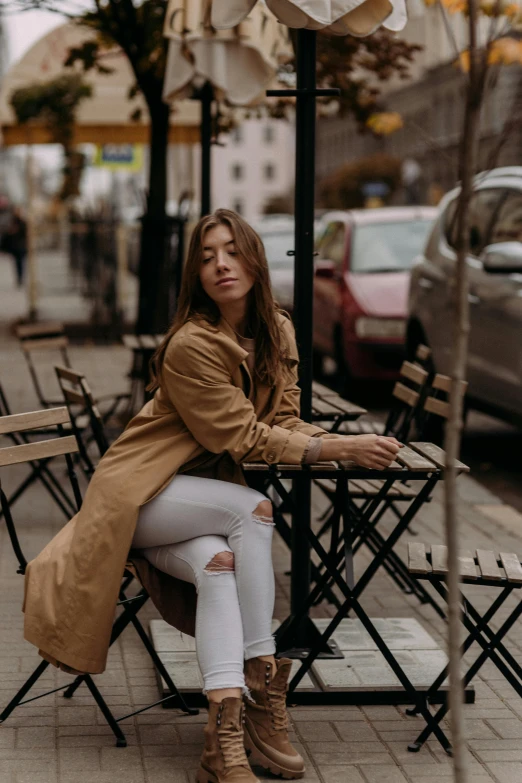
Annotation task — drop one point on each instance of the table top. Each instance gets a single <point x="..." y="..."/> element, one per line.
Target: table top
<point x="420" y="458"/>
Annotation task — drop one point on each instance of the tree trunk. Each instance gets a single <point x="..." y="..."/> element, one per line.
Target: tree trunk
<point x="153" y="307"/>
<point x="467" y="164"/>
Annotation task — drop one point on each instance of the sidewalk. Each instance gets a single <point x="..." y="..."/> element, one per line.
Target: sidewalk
<point x="59" y="741"/>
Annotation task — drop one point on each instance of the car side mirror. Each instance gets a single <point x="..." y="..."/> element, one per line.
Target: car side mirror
<point x="502" y="258"/>
<point x="325" y="269"/>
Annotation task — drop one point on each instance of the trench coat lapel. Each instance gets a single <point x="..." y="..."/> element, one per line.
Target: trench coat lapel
<point x="238" y="354"/>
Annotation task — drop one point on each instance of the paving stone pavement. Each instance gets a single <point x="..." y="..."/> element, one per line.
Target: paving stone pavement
<point x="66" y="741"/>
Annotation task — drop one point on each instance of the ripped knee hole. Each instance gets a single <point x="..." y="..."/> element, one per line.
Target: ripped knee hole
<point x="263" y="513"/>
<point x="223" y="562"/>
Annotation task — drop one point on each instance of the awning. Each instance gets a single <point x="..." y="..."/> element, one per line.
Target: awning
<point x="102" y="119"/>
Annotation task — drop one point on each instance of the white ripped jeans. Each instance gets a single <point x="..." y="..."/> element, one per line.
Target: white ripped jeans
<point x="211" y="533"/>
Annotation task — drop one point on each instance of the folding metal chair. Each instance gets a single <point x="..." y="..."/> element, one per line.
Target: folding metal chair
<point x="39" y="469"/>
<point x="51" y="337"/>
<point x="66" y="445"/>
<point x="480" y="568"/>
<point x="81" y="403"/>
<point x="408" y="395"/>
<point x="436" y="410"/>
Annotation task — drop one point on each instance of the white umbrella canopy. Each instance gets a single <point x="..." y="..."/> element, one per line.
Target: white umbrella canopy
<point x="240" y="63"/>
<point x="338" y="17"/>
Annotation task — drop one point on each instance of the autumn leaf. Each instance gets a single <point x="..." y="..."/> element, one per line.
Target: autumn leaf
<point x="384" y="123"/>
<point x="505" y="51"/>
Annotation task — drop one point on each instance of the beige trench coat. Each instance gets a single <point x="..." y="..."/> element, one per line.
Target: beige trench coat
<point x="204" y="422"/>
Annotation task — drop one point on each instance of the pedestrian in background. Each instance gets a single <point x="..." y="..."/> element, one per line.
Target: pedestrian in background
<point x="15" y="243"/>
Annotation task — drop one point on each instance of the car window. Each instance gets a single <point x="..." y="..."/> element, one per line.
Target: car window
<point x="388" y="247"/>
<point x="277" y="245"/>
<point x="508" y="225"/>
<point x="482" y="213"/>
<point x="332" y="243"/>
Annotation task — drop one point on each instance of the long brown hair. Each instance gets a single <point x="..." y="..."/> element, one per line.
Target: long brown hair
<point x="195" y="304"/>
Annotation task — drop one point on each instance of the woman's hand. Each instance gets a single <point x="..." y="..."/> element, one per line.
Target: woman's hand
<point x="369" y="451"/>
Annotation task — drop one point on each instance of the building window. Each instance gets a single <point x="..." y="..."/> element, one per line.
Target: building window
<point x="237" y="134"/>
<point x="237" y="171"/>
<point x="268" y="134"/>
<point x="268" y="172"/>
<point x="238" y="205"/>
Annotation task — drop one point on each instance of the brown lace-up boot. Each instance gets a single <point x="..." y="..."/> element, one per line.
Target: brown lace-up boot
<point x="266" y="725"/>
<point x="224" y="759"/>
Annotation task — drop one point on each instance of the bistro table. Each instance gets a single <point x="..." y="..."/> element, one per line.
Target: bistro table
<point x="419" y="462"/>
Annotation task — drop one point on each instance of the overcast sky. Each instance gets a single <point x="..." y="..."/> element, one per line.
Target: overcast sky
<point x="24" y="29"/>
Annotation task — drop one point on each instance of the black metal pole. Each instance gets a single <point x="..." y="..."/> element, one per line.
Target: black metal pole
<point x="295" y="638"/>
<point x="303" y="295"/>
<point x="206" y="98"/>
<point x="304" y="211"/>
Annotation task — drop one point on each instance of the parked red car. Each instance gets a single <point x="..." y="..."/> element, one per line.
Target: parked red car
<point x="361" y="284"/>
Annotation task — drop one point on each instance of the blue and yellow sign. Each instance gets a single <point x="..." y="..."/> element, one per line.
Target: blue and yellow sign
<point x="119" y="157"/>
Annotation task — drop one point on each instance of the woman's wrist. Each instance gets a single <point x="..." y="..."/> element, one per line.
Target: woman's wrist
<point x="336" y="448"/>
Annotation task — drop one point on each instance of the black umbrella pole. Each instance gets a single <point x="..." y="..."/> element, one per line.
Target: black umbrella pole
<point x="206" y="97"/>
<point x="304" y="211"/>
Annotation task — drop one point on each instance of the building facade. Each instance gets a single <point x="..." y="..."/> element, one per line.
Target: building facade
<point x="255" y="164"/>
<point x="431" y="104"/>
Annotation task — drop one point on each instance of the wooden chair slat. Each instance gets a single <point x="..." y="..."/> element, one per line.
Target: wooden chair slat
<point x="437" y="455"/>
<point x="323" y="391"/>
<point x="467" y="567"/>
<point x="374" y="486"/>
<point x="417" y="561"/>
<point x="438" y="407"/>
<point x="73" y="396"/>
<point x="406" y="493"/>
<point x="414" y="373"/>
<point x="414" y="461"/>
<point x="347" y="407"/>
<point x="488" y="565"/>
<point x="422" y="353"/>
<point x="19" y="422"/>
<point x="324" y="406"/>
<point x="395" y="466"/>
<point x="408" y="396"/>
<point x="439" y="559"/>
<point x="131" y="341"/>
<point x="45" y="344"/>
<point x="13" y="455"/>
<point x="69" y="375"/>
<point x="34" y="330"/>
<point x="512" y="567"/>
<point x="442" y="383"/>
<point x="258" y="466"/>
<point x="352" y="427"/>
<point x="322" y="466"/>
<point x="159" y="339"/>
<point x="367" y="427"/>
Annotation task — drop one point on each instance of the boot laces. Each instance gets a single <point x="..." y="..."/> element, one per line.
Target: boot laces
<point x="277" y="706"/>
<point x="232" y="746"/>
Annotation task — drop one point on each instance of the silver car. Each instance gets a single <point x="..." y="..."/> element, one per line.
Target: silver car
<point x="495" y="293"/>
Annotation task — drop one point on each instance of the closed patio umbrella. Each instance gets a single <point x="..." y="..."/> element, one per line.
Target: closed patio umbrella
<point x="338" y="17"/>
<point x="236" y="65"/>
